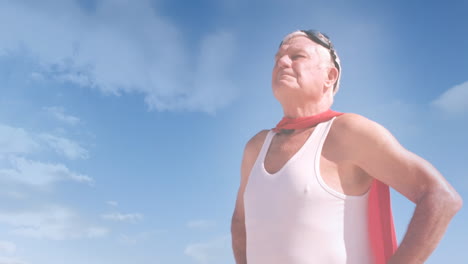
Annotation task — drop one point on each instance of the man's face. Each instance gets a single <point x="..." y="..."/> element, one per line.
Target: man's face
<point x="299" y="68"/>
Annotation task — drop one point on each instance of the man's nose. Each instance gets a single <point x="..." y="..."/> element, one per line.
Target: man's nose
<point x="284" y="61"/>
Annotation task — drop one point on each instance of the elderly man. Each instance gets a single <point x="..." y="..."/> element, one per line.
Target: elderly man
<point x="305" y="191"/>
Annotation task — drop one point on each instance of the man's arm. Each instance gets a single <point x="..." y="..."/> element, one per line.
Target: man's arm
<point x="238" y="234"/>
<point x="376" y="151"/>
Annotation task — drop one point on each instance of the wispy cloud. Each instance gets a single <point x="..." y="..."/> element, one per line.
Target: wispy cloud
<point x="16" y="140"/>
<point x="454" y="100"/>
<point x="13" y="194"/>
<point x="209" y="252"/>
<point x="65" y="146"/>
<point x="119" y="47"/>
<point x="7" y="247"/>
<point x="9" y="260"/>
<point x="39" y="173"/>
<point x="59" y="114"/>
<point x="130" y="240"/>
<point x="134" y="217"/>
<point x="210" y="87"/>
<point x="200" y="224"/>
<point x="52" y="222"/>
<point x="133" y="239"/>
<point x="112" y="203"/>
<point x="96" y="232"/>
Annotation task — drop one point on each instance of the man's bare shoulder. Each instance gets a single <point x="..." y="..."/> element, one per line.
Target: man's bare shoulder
<point x="357" y="127"/>
<point x="251" y="151"/>
<point x="254" y="145"/>
<point x="351" y="122"/>
<point x="353" y="133"/>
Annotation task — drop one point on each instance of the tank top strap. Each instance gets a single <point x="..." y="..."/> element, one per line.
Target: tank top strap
<point x="314" y="142"/>
<point x="323" y="133"/>
<point x="266" y="145"/>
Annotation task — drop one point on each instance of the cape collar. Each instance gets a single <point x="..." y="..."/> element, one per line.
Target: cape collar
<point x="288" y="125"/>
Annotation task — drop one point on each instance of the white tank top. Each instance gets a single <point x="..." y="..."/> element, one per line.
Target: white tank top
<point x="293" y="217"/>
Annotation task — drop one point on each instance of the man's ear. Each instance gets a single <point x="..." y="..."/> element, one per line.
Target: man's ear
<point x="332" y="78"/>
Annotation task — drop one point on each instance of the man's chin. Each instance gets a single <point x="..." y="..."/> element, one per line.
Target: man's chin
<point x="285" y="84"/>
<point x="285" y="89"/>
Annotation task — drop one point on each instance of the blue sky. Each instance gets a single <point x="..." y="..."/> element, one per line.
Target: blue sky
<point x="122" y="123"/>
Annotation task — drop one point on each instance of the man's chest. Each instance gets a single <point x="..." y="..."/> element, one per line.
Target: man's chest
<point x="340" y="175"/>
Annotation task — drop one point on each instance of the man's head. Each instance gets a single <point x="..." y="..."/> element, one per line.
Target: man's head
<point x="307" y="65"/>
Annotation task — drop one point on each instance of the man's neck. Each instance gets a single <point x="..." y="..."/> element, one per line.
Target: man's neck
<point x="305" y="110"/>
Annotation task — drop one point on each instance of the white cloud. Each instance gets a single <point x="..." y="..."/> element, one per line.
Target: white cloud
<point x="13" y="194"/>
<point x="121" y="46"/>
<point x="211" y="88"/>
<point x="128" y="240"/>
<point x="200" y="224"/>
<point x="141" y="237"/>
<point x="214" y="251"/>
<point x="7" y="247"/>
<point x="454" y="100"/>
<point x="95" y="232"/>
<point x="66" y="147"/>
<point x="211" y="80"/>
<point x="53" y="222"/>
<point x="16" y="140"/>
<point x="40" y="174"/>
<point x="59" y="114"/>
<point x="5" y="260"/>
<point x="123" y="217"/>
<point x="112" y="203"/>
<point x="134" y="239"/>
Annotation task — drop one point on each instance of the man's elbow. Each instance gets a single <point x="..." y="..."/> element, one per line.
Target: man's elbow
<point x="457" y="202"/>
<point x="450" y="200"/>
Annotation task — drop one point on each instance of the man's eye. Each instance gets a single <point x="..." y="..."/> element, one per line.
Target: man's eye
<point x="297" y="56"/>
